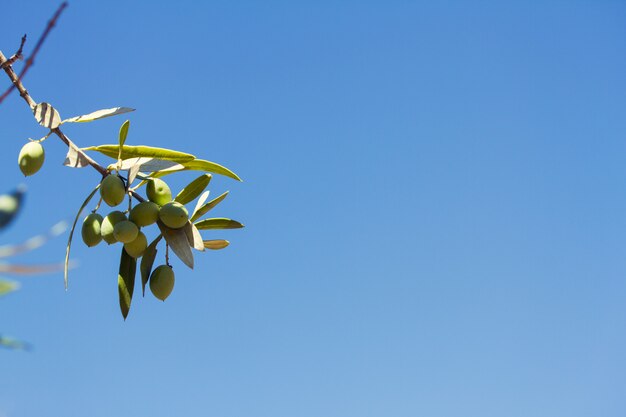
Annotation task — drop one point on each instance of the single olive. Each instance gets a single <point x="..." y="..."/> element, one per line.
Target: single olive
<point x="162" y="282"/>
<point x="158" y="191"/>
<point x="174" y="215"/>
<point x="112" y="190"/>
<point x="31" y="158"/>
<point x="91" y="229"/>
<point x="125" y="231"/>
<point x="144" y="213"/>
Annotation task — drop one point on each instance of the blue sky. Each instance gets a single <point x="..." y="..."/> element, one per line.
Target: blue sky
<point x="433" y="197"/>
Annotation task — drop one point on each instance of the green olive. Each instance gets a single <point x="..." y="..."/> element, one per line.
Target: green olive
<point x="108" y="225"/>
<point x="144" y="213"/>
<point x="136" y="247"/>
<point x="162" y="282"/>
<point x="125" y="231"/>
<point x="112" y="190"/>
<point x="91" y="229"/>
<point x="158" y="191"/>
<point x="31" y="158"/>
<point x="174" y="215"/>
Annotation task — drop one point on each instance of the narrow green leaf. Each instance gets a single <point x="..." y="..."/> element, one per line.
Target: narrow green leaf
<point x="204" y="209"/>
<point x="126" y="281"/>
<point x="124" y="132"/>
<point x="218" y="223"/>
<point x="8" y="286"/>
<point x="216" y="244"/>
<point x="147" y="260"/>
<point x="100" y="114"/>
<point x="199" y="165"/>
<point x="208" y="166"/>
<point x="203" y="198"/>
<point x="139" y="151"/>
<point x="193" y="189"/>
<point x="69" y="240"/>
<point x="177" y="240"/>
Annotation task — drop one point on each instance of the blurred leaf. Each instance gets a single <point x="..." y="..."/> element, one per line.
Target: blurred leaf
<point x="204" y="209"/>
<point x="126" y="281"/>
<point x="193" y="189"/>
<point x="69" y="240"/>
<point x="141" y="151"/>
<point x="193" y="237"/>
<point x="124" y="132"/>
<point x="147" y="260"/>
<point x="34" y="242"/>
<point x="15" y="344"/>
<point x="218" y="223"/>
<point x="216" y="244"/>
<point x="10" y="205"/>
<point x="47" y="116"/>
<point x="75" y="159"/>
<point x="8" y="286"/>
<point x="100" y="114"/>
<point x="177" y="240"/>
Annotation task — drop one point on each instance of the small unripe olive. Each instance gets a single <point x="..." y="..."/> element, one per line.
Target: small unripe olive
<point x="144" y="213"/>
<point x="108" y="225"/>
<point x="112" y="190"/>
<point x="31" y="158"/>
<point x="174" y="215"/>
<point x="162" y="282"/>
<point x="125" y="231"/>
<point x="91" y="229"/>
<point x="158" y="191"/>
<point x="136" y="247"/>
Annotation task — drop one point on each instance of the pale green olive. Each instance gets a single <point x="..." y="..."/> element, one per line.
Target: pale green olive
<point x="144" y="213"/>
<point x="162" y="282"/>
<point x="136" y="247"/>
<point x="158" y="191"/>
<point x="91" y="229"/>
<point x="112" y="190"/>
<point x="174" y="215"/>
<point x="31" y="158"/>
<point x="125" y="231"/>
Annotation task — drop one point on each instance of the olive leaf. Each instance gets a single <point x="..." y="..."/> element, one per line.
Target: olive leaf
<point x="74" y="158"/>
<point x="100" y="114"/>
<point x="47" y="116"/>
<point x="200" y="165"/>
<point x="147" y="260"/>
<point x="69" y="240"/>
<point x="218" y="223"/>
<point x="33" y="242"/>
<point x="193" y="236"/>
<point x="124" y="132"/>
<point x="177" y="240"/>
<point x="8" y="286"/>
<point x="10" y="343"/>
<point x="193" y="189"/>
<point x="130" y="151"/>
<point x="216" y="244"/>
<point x="204" y="209"/>
<point x="126" y="281"/>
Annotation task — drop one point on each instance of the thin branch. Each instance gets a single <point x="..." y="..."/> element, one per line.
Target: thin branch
<point x="17" y="55"/>
<point x="31" y="59"/>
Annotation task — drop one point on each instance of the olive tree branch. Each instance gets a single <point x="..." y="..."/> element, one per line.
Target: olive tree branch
<point x="31" y="59"/>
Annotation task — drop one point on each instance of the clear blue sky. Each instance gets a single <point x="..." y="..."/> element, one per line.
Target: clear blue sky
<point x="434" y="195"/>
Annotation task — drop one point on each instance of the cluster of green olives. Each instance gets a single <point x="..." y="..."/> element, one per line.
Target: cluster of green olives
<point x="118" y="227"/>
<point x="31" y="158"/>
